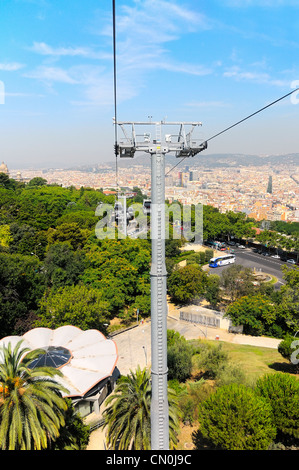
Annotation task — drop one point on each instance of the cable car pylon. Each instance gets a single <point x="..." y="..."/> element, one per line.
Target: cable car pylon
<point x="181" y="143"/>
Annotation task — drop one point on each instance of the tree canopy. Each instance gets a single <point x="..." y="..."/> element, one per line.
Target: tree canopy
<point x="48" y="242"/>
<point x="81" y="306"/>
<point x="186" y="284"/>
<point x="255" y="312"/>
<point x="236" y="418"/>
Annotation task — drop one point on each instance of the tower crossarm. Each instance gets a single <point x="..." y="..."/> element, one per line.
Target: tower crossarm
<point x="182" y="143"/>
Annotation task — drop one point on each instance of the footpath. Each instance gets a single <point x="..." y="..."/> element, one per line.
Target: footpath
<point x="193" y="331"/>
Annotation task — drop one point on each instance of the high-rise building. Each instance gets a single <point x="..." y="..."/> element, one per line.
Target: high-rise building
<point x="269" y="188"/>
<point x="193" y="175"/>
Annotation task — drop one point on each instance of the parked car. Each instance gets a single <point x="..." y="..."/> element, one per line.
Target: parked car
<point x="242" y="247"/>
<point x="291" y="261"/>
<point x="275" y="256"/>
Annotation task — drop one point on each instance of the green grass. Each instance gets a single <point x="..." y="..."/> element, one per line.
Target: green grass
<point x="254" y="361"/>
<point x="273" y="281"/>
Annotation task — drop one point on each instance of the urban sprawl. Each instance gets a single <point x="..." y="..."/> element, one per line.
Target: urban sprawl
<point x="263" y="192"/>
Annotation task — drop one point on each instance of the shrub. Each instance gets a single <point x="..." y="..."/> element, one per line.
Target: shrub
<point x="75" y="434"/>
<point x="282" y="393"/>
<point x="230" y="373"/>
<point x="187" y="407"/>
<point x="191" y="396"/>
<point x="235" y="418"/>
<point x="179" y="358"/>
<point x="211" y="359"/>
<point x="178" y="388"/>
<point x="287" y="348"/>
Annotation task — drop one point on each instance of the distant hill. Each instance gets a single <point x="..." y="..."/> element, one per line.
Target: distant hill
<point x="239" y="160"/>
<point x="200" y="160"/>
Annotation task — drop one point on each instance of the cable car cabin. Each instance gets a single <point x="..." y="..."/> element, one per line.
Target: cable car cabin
<point x="126" y="151"/>
<point x="118" y="206"/>
<point x="147" y="206"/>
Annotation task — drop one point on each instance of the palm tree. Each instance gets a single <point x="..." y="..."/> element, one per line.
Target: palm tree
<point x="75" y="434"/>
<point x="31" y="405"/>
<point x="128" y="417"/>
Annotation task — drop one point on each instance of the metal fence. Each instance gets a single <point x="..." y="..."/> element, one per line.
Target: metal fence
<point x="202" y="319"/>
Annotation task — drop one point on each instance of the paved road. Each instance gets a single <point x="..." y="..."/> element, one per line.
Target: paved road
<point x="134" y="348"/>
<point x="265" y="264"/>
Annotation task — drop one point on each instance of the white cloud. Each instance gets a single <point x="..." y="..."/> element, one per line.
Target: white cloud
<point x="11" y="66"/>
<point x="143" y="32"/>
<point x="190" y="69"/>
<point x="47" y="50"/>
<point x="208" y="104"/>
<point x="75" y="75"/>
<point x="261" y="3"/>
<point x="51" y="74"/>
<point x="159" y="21"/>
<point x="254" y="76"/>
<point x="19" y="94"/>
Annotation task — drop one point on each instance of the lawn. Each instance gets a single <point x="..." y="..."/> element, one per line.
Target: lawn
<point x="254" y="360"/>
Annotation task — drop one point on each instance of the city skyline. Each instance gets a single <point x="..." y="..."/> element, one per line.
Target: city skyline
<point x="214" y="62"/>
<point x="237" y="189"/>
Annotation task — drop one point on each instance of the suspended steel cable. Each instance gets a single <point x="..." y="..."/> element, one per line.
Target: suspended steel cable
<point x="115" y="95"/>
<point x="253" y="114"/>
<point x="177" y="164"/>
<point x="239" y="122"/>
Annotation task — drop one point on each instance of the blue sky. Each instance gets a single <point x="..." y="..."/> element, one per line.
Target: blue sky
<point x="214" y="61"/>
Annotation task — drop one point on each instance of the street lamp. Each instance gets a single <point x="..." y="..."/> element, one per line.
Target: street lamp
<point x="145" y="352"/>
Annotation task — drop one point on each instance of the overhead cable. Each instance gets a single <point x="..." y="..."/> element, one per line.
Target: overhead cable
<point x="239" y="122"/>
<point x="115" y="93"/>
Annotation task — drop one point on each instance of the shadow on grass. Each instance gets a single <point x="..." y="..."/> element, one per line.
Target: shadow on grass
<point x="284" y="367"/>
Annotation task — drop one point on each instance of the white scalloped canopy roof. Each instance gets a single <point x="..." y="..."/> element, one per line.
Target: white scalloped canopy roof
<point x="93" y="358"/>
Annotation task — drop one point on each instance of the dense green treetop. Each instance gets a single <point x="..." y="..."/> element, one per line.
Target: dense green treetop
<point x="48" y="241"/>
<point x="282" y="392"/>
<point x="236" y="418"/>
<point x="255" y="312"/>
<point x="187" y="284"/>
<point x="81" y="306"/>
<point x="37" y="181"/>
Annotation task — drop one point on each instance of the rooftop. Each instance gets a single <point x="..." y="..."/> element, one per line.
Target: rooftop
<point x="84" y="357"/>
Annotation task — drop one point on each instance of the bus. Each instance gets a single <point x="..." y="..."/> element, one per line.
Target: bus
<point x="215" y="244"/>
<point x="221" y="261"/>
